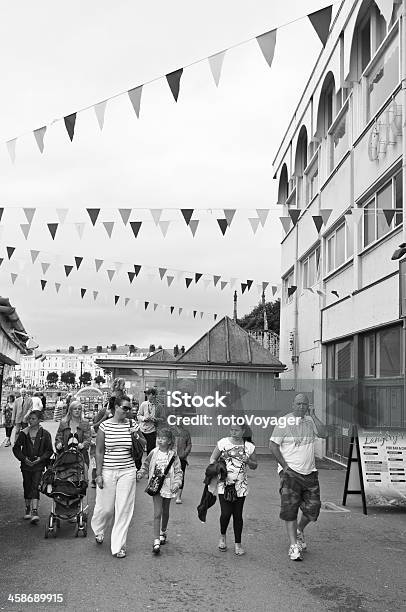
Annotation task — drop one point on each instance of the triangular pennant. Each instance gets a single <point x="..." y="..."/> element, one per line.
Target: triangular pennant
<point x="187" y="214"/>
<point x="321" y="20"/>
<point x="29" y="213"/>
<point x="1" y="260"/>
<point x="13" y="277"/>
<point x="216" y="64"/>
<point x="156" y="214"/>
<point x="162" y="272"/>
<point x="116" y="298"/>
<point x="146" y="304"/>
<point x="83" y="293"/>
<point x="95" y="294"/>
<point x="57" y="287"/>
<point x="309" y="289"/>
<point x="118" y="266"/>
<point x="389" y="213"/>
<point x="39" y="137"/>
<point x="68" y="270"/>
<point x="223" y="285"/>
<point x="34" y="255"/>
<point x="265" y="286"/>
<point x="43" y="284"/>
<point x="223" y="225"/>
<point x="216" y="280"/>
<point x="198" y="276"/>
<point x="70" y="121"/>
<point x="263" y="215"/>
<point x="172" y="308"/>
<point x="188" y="280"/>
<point x="137" y="269"/>
<point x="291" y="290"/>
<point x="135" y="98"/>
<point x="348" y="213"/>
<point x="52" y="229"/>
<point x="25" y="228"/>
<point x="173" y="79"/>
<point x="294" y="214"/>
<point x="357" y="213"/>
<point x="169" y="280"/>
<point x="62" y="214"/>
<point x="125" y="214"/>
<point x="335" y="293"/>
<point x="98" y="263"/>
<point x="180" y="311"/>
<point x="126" y="300"/>
<point x="10" y="251"/>
<point x="78" y="261"/>
<point x="1" y="213"/>
<point x="193" y="224"/>
<point x="232" y="282"/>
<point x="93" y="214"/>
<point x="325" y="214"/>
<point x="229" y="215"/>
<point x="215" y="316"/>
<point x="254" y="224"/>
<point x="45" y="267"/>
<point x="80" y="228"/>
<point x="100" y="110"/>
<point x="243" y="287"/>
<point x="319" y="292"/>
<point x="267" y="44"/>
<point x="386" y="8"/>
<point x="318" y="222"/>
<point x="108" y="226"/>
<point x="201" y="314"/>
<point x="194" y="314"/>
<point x="110" y="274"/>
<point x="155" y="307"/>
<point x="206" y="283"/>
<point x="11" y="148"/>
<point x="131" y="276"/>
<point x="179" y="275"/>
<point x="164" y="227"/>
<point x="285" y="223"/>
<point x="135" y="226"/>
<point x="249" y="284"/>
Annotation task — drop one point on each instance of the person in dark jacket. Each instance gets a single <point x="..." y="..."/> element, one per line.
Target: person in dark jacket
<point x="33" y="448"/>
<point x="73" y="428"/>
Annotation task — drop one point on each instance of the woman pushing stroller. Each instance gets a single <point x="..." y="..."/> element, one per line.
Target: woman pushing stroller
<point x="74" y="430"/>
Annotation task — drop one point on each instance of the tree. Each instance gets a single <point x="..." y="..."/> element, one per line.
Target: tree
<point x="68" y="378"/>
<point x="52" y="378"/>
<point x="99" y="348"/>
<point x="71" y="349"/>
<point x="18" y="380"/>
<point x="152" y="348"/>
<point x="99" y="379"/>
<point x="254" y="320"/>
<point x="85" y="378"/>
<point x="113" y="347"/>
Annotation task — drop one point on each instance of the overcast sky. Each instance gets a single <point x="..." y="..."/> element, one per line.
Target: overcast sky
<point x="211" y="150"/>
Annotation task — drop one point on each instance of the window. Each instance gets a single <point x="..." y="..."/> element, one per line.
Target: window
<point x="340" y="360"/>
<point x="383" y="77"/>
<point x="381" y="353"/>
<point x="312" y="180"/>
<point x="339" y="140"/>
<point x="311" y="269"/>
<point x="339" y="247"/>
<point x="378" y="211"/>
<point x="287" y="284"/>
<point x="369" y="355"/>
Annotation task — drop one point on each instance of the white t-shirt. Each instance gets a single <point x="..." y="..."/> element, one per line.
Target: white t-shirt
<point x="236" y="467"/>
<point x="296" y="444"/>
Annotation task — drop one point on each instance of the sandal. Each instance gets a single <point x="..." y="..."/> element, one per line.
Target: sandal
<point x="222" y="544"/>
<point x="162" y="537"/>
<point x="156" y="549"/>
<point x="239" y="550"/>
<point x="121" y="554"/>
<point x="100" y="539"/>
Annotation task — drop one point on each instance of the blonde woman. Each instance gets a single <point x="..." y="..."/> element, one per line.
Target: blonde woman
<point x="73" y="428"/>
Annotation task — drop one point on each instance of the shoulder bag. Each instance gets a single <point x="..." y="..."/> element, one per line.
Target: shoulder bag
<point x="157" y="480"/>
<point x="137" y="446"/>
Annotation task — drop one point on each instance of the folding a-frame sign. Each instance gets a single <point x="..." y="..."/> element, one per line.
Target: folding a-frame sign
<point x="354" y="479"/>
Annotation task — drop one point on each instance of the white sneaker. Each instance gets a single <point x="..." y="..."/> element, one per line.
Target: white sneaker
<point x="27" y="514"/>
<point x="301" y="540"/>
<point x="295" y="554"/>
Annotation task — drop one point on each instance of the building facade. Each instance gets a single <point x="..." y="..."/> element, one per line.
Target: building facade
<point x="13" y="340"/>
<point x="340" y="166"/>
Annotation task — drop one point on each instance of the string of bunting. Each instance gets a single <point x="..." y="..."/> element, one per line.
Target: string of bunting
<point x="320" y="21"/>
<point x="352" y="215"/>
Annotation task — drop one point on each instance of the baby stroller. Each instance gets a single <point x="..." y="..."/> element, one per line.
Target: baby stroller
<point x="65" y="482"/>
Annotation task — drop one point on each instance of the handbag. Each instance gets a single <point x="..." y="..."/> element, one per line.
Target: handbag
<point x="137" y="447"/>
<point x="230" y="492"/>
<point x="157" y="480"/>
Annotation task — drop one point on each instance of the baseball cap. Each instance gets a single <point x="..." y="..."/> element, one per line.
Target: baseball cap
<point x="150" y="391"/>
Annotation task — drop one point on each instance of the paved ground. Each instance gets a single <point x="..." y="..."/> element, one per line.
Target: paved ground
<point x="353" y="563"/>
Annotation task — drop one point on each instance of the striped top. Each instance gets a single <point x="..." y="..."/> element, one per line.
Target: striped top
<point x="117" y="445"/>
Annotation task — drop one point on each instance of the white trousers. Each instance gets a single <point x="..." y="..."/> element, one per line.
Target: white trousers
<point x="116" y="497"/>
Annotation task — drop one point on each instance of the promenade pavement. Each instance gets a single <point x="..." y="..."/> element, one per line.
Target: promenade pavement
<point x="354" y="562"/>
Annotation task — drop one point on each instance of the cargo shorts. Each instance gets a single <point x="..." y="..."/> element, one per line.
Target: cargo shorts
<point x="299" y="491"/>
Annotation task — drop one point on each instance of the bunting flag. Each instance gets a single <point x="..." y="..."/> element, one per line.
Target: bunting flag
<point x="98" y="264"/>
<point x="194" y="314"/>
<point x="193" y="224"/>
<point x="146" y="304"/>
<point x="39" y="137"/>
<point x="285" y="223"/>
<point x="254" y="224"/>
<point x="13" y="277"/>
<point x="187" y="214"/>
<point x="95" y="294"/>
<point x="357" y="213"/>
<point x="34" y="255"/>
<point x="78" y="261"/>
<point x="135" y="226"/>
<point x="325" y="214"/>
<point x="198" y="276"/>
<point x="135" y="99"/>
<point x="188" y="281"/>
<point x="155" y="307"/>
<point x="291" y="290"/>
<point x="215" y="316"/>
<point x="80" y="228"/>
<point x="125" y="214"/>
<point x="335" y="293"/>
<point x="93" y="214"/>
<point x="52" y="229"/>
<point x="11" y="148"/>
<point x="163" y="225"/>
<point x="83" y="293"/>
<point x="389" y="214"/>
<point x="131" y="276"/>
<point x="249" y="284"/>
<point x="126" y="300"/>
<point x="10" y="251"/>
<point x="274" y="290"/>
<point x="156" y="214"/>
<point x="232" y="282"/>
<point x="229" y="215"/>
<point x="172" y="308"/>
<point x="320" y="292"/>
<point x="206" y="283"/>
<point x="223" y="225"/>
<point x="43" y="284"/>
<point x="110" y="274"/>
<point x="294" y="214"/>
<point x="223" y="285"/>
<point x="25" y="228"/>
<point x="180" y="311"/>
<point x="173" y="79"/>
<point x="68" y="270"/>
<point x="62" y="214"/>
<point x="29" y="214"/>
<point x="262" y="215"/>
<point x="216" y="279"/>
<point x="57" y="287"/>
<point x="1" y="260"/>
<point x="70" y="121"/>
<point x="243" y="287"/>
<point x="116" y="298"/>
<point x="169" y="280"/>
<point x="162" y="272"/>
<point x="100" y="110"/>
<point x="216" y="64"/>
<point x="137" y="269"/>
<point x="264" y="286"/>
<point x="321" y="21"/>
<point x="267" y="44"/>
<point x="386" y="8"/>
<point x="108" y="226"/>
<point x="1" y="213"/>
<point x="201" y="314"/>
<point x="118" y="266"/>
<point x="318" y="222"/>
<point x="45" y="267"/>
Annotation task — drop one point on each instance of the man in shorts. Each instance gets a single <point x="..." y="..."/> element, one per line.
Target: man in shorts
<point x="293" y="447"/>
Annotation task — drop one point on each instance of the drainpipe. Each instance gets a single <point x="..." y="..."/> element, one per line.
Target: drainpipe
<point x="403" y="67"/>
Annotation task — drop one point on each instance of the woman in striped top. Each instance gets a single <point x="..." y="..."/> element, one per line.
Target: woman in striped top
<point x="115" y="477"/>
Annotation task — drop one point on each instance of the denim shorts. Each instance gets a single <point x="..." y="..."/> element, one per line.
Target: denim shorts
<point x="299" y="491"/>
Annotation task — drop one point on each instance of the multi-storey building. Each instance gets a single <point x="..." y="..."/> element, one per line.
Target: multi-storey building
<point x="341" y="159"/>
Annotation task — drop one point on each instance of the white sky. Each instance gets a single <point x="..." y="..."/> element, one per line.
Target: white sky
<point x="213" y="150"/>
